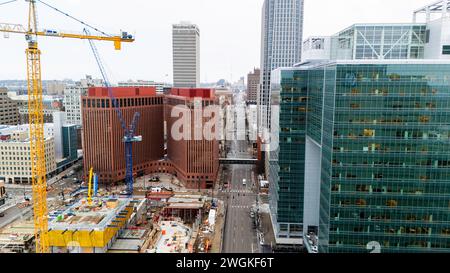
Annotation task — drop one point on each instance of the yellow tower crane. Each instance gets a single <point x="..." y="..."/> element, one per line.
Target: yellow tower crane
<point x="35" y="108"/>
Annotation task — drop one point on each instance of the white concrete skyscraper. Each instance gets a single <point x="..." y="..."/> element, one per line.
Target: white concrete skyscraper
<point x="281" y="46"/>
<point x="186" y="55"/>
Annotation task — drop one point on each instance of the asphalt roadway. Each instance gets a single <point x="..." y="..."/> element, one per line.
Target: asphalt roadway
<point x="240" y="236"/>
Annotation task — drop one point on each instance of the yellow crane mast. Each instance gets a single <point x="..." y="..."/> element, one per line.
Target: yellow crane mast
<point x="36" y="114"/>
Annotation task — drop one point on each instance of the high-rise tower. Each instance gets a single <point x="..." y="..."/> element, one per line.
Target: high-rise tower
<point x="186" y="55"/>
<point x="281" y="46"/>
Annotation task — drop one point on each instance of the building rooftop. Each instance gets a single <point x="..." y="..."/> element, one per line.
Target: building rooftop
<point x="81" y="216"/>
<point x="10" y="130"/>
<point x="317" y="63"/>
<point x="204" y="93"/>
<point x="121" y="92"/>
<point x="186" y="201"/>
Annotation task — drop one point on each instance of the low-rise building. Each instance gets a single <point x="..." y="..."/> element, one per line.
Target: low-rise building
<point x="15" y="162"/>
<point x="9" y="109"/>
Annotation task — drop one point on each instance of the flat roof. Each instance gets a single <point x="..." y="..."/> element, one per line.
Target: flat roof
<point x="185" y="206"/>
<point x="81" y="216"/>
<point x="319" y="63"/>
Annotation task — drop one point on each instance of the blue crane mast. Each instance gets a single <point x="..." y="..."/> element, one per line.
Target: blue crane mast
<point x="129" y="131"/>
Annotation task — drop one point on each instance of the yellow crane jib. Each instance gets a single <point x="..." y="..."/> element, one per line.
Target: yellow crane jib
<point x="36" y="109"/>
<point x="117" y="39"/>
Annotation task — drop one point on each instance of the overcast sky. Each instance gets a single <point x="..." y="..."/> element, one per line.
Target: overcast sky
<point x="230" y="34"/>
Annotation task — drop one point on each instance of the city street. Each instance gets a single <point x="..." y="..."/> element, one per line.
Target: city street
<point x="17" y="194"/>
<point x="14" y="213"/>
<point x="239" y="235"/>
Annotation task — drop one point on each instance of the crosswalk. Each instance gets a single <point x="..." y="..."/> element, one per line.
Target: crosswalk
<point x="240" y="207"/>
<point x="241" y="191"/>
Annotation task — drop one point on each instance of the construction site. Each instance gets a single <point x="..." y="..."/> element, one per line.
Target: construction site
<point x="161" y="221"/>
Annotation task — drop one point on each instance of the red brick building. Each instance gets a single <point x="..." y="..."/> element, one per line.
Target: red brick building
<point x="195" y="161"/>
<point x="103" y="145"/>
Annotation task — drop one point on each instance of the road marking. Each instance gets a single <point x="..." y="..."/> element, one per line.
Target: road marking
<point x="241" y="191"/>
<point x="240" y="207"/>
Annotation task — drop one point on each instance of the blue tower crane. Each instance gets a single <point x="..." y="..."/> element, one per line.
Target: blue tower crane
<point x="129" y="131"/>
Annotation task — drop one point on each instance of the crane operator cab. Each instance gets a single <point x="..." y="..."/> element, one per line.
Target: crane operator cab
<point x="125" y="35"/>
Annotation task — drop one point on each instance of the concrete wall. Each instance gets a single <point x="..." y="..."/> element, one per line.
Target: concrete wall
<point x="439" y="36"/>
<point x="312" y="184"/>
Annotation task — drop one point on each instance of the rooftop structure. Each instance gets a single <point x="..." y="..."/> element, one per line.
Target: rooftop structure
<point x="416" y="40"/>
<point x="441" y="8"/>
<point x="185" y="206"/>
<point x="192" y="93"/>
<point x="140" y="83"/>
<point x="186" y="201"/>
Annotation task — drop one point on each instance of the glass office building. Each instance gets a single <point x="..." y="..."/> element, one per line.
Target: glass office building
<point x="70" y="140"/>
<point x="382" y="131"/>
<point x="287" y="157"/>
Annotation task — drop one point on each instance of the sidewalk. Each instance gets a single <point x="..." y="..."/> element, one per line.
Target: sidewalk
<point x="267" y="229"/>
<point x="217" y="239"/>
